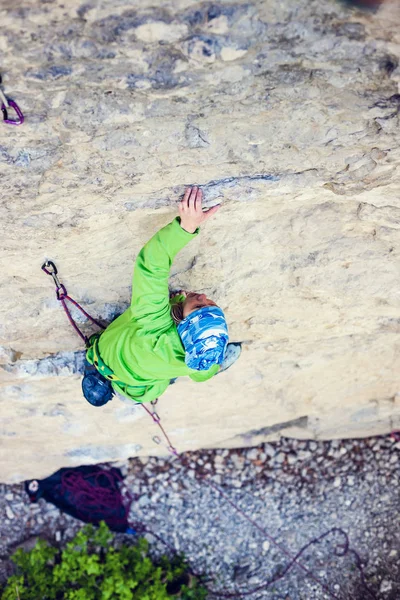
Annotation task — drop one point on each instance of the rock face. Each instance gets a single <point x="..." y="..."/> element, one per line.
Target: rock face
<point x="288" y="114"/>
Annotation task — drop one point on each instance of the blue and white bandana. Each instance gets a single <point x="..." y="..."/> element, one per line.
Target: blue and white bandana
<point x="204" y="334"/>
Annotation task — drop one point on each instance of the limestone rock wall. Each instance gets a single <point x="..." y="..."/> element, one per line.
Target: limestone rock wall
<point x="286" y="112"/>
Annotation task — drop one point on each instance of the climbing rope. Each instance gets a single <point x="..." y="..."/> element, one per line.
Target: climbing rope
<point x="62" y="295"/>
<point x="95" y="493"/>
<point x="341" y="550"/>
<point x="156" y="419"/>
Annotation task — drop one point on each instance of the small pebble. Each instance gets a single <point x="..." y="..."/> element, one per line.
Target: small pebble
<point x="266" y="546"/>
<point x="386" y="586"/>
<point x="269" y="450"/>
<point x="252" y="454"/>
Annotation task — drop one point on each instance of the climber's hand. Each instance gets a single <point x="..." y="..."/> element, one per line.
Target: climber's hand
<point x="191" y="212"/>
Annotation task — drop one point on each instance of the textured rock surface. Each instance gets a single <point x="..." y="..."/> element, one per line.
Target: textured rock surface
<point x="288" y="112"/>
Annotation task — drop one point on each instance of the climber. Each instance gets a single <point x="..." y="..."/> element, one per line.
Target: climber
<point x="158" y="338"/>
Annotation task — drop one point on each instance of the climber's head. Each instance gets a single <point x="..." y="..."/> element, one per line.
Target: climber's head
<point x="195" y="301"/>
<point x="184" y="303"/>
<point x="202" y="328"/>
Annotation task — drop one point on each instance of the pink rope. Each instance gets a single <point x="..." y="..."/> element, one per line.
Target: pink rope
<point x="62" y="298"/>
<point x="92" y="496"/>
<point x="79" y="307"/>
<point x="157" y="420"/>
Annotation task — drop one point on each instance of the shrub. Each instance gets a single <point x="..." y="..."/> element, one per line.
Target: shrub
<point x="91" y="568"/>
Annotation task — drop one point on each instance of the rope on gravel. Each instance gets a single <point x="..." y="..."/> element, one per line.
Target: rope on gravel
<point x="340" y="550"/>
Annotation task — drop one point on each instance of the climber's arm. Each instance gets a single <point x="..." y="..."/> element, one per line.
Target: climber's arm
<point x="150" y="297"/>
<point x="199" y="376"/>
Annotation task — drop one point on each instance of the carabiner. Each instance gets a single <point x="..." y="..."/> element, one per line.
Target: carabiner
<point x="6" y="103"/>
<point x="49" y="265"/>
<point x="50" y="268"/>
<point x="18" y="111"/>
<point x="61" y="292"/>
<point x="155" y="417"/>
<point x="3" y="99"/>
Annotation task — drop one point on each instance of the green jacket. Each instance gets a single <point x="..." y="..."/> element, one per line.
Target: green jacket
<point x="142" y="346"/>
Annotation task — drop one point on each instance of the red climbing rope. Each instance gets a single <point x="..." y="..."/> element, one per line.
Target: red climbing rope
<point x="94" y="492"/>
<point x="157" y="420"/>
<point x="62" y="295"/>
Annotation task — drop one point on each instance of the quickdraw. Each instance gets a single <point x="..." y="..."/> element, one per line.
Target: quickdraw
<point x="62" y="295"/>
<point x="7" y="103"/>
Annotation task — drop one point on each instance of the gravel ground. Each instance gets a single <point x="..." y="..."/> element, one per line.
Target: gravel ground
<point x="294" y="490"/>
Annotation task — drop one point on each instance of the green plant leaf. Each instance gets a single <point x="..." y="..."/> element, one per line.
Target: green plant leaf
<point x="89" y="567"/>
